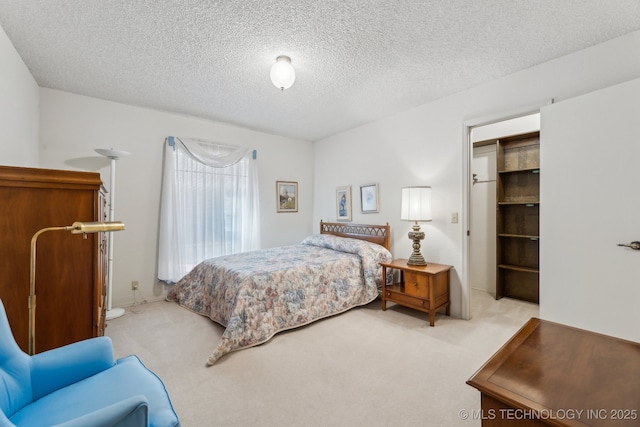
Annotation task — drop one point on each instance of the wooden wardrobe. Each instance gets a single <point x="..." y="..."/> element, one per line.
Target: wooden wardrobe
<point x="70" y="268"/>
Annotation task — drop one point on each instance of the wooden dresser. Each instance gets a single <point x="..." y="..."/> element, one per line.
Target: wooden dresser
<point x="71" y="269"/>
<point x="552" y="374"/>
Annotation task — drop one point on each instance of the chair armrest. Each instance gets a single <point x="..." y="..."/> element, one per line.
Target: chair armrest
<point x="4" y="421"/>
<point x="131" y="412"/>
<point x="60" y="367"/>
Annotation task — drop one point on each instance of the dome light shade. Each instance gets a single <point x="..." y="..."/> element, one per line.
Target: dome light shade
<point x="282" y="73"/>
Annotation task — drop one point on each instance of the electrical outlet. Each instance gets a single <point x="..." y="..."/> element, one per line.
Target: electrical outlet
<point x="134" y="285"/>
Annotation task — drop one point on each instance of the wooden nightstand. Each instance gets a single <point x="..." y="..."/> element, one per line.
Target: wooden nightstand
<point x="424" y="288"/>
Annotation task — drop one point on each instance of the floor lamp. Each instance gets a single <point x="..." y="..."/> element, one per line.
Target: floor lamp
<point x="114" y="155"/>
<point x="75" y="228"/>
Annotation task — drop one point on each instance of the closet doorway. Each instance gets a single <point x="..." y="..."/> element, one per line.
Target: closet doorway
<point x="482" y="199"/>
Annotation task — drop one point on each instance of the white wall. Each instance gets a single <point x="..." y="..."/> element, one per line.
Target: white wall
<point x="590" y="202"/>
<point x="424" y="146"/>
<point x="19" y="109"/>
<point x="72" y="126"/>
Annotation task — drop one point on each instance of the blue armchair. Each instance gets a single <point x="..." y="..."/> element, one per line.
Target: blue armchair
<point x="78" y="385"/>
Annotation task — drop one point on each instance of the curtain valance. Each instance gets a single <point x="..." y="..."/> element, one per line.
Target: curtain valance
<point x="210" y="153"/>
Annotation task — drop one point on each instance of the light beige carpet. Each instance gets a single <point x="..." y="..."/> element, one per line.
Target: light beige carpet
<point x="364" y="367"/>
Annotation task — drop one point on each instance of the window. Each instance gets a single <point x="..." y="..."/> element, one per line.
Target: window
<point x="209" y="204"/>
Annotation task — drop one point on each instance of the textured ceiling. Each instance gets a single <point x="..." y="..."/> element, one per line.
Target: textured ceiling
<point x="356" y="60"/>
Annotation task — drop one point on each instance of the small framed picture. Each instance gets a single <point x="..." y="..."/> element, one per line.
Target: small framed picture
<point x="343" y="203"/>
<point x="287" y="196"/>
<point x="369" y="198"/>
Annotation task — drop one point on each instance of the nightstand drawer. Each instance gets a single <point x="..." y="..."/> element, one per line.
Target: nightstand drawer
<point x="404" y="299"/>
<point x="416" y="284"/>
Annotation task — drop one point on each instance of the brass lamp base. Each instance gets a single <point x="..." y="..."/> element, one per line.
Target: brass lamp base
<point x="416" y="257"/>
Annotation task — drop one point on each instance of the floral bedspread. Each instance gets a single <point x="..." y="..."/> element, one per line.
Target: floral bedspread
<point x="258" y="294"/>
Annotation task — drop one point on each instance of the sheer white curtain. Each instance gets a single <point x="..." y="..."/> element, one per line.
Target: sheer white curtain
<point x="209" y="204"/>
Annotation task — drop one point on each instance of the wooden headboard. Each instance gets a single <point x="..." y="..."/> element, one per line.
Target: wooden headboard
<point x="380" y="234"/>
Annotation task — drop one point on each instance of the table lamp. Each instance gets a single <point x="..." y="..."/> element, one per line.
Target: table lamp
<point x="416" y="206"/>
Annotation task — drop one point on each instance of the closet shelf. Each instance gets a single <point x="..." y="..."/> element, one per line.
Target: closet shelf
<point x="518" y="268"/>
<point x="524" y="170"/>
<point x="525" y="203"/>
<point x="520" y="236"/>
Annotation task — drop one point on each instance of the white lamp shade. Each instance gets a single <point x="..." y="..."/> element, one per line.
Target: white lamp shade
<point x="282" y="73"/>
<point x="416" y="204"/>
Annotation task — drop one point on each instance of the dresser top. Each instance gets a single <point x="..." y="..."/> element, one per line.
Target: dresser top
<point x="12" y="176"/>
<point x="552" y="368"/>
<point x="431" y="267"/>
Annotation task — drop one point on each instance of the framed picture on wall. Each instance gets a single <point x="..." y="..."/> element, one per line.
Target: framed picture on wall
<point x="369" y="198"/>
<point x="343" y="203"/>
<point x="287" y="196"/>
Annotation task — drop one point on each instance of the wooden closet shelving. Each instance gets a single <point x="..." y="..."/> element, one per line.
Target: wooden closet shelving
<point x="517" y="216"/>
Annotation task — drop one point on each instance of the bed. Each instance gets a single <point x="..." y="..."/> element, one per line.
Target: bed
<point x="254" y="295"/>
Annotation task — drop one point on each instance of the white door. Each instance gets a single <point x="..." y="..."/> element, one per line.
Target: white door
<point x="590" y="202"/>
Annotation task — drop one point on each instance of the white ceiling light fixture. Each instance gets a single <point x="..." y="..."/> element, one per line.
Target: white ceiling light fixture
<point x="282" y="73"/>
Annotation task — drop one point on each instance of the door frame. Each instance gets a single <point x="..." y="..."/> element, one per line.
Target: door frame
<point x="467" y="157"/>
